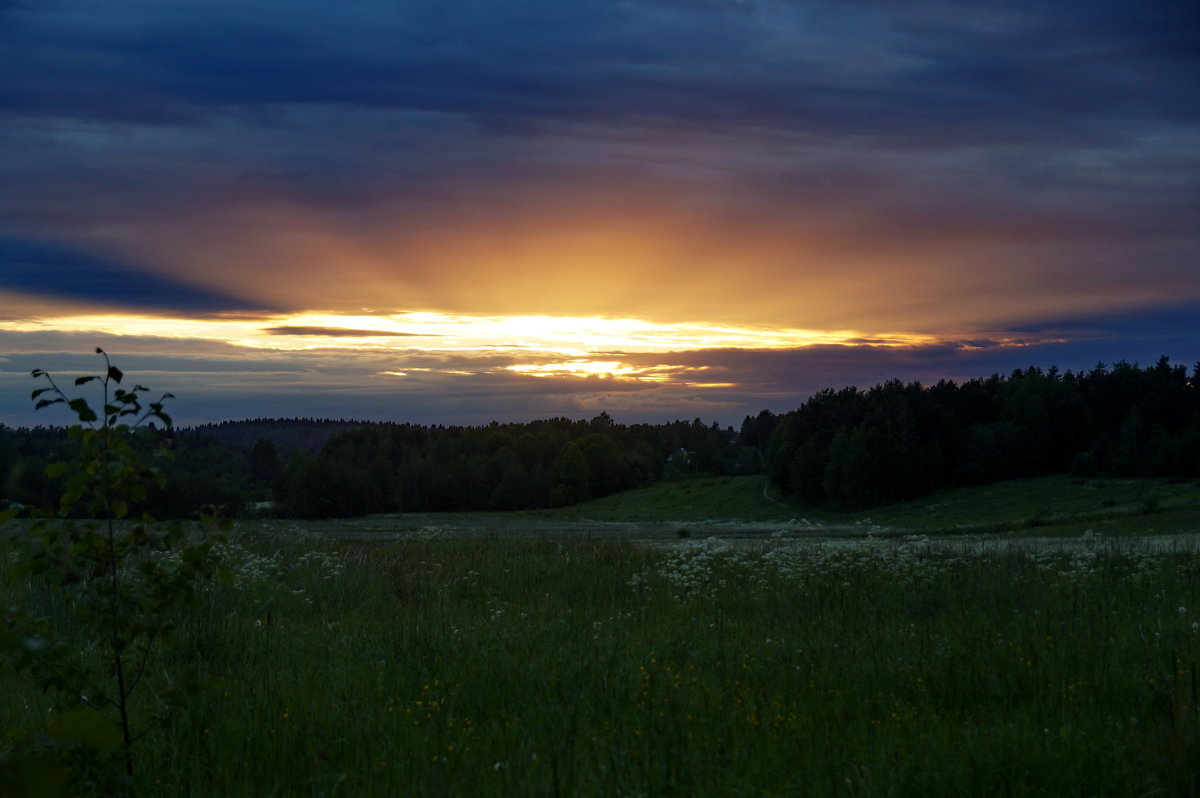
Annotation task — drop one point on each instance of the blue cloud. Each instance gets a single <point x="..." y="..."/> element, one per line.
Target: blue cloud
<point x="984" y="71"/>
<point x="52" y="270"/>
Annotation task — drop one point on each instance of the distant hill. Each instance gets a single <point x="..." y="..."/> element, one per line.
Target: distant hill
<point x="306" y="434"/>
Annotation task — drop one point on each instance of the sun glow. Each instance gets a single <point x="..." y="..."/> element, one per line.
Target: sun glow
<point x="676" y="374"/>
<point x="569" y="335"/>
<point x="577" y="347"/>
<point x="575" y="368"/>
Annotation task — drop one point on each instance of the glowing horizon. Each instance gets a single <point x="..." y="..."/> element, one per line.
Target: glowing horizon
<point x="695" y="209"/>
<point x="566" y="346"/>
<point x="551" y="333"/>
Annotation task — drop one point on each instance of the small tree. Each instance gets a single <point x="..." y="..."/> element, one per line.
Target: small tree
<point x="123" y="581"/>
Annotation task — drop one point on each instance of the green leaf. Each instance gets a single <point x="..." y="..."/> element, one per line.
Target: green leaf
<point x="119" y="508"/>
<point x="86" y="725"/>
<point x="68" y="500"/>
<point x="39" y="392"/>
<point x="55" y="470"/>
<point x="115" y="374"/>
<point x="84" y="380"/>
<point x="82" y="409"/>
<point x="46" y="403"/>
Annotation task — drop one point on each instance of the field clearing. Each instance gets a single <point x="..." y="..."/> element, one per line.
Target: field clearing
<point x="736" y="507"/>
<point x="461" y="656"/>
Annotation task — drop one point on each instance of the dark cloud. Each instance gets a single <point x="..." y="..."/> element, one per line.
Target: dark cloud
<point x="1170" y="321"/>
<point x="975" y="70"/>
<point x="872" y="166"/>
<point x="36" y="267"/>
<point x="949" y="113"/>
<point x="78" y="362"/>
<point x="270" y="93"/>
<point x="780" y="379"/>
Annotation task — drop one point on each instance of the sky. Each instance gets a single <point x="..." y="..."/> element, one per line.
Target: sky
<point x="458" y="212"/>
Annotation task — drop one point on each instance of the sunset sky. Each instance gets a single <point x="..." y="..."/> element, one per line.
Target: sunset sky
<point x="453" y="212"/>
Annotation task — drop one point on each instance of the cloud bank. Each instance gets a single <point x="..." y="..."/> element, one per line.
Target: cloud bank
<point x="958" y="171"/>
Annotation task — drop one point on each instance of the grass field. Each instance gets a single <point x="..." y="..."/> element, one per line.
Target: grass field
<point x="420" y="659"/>
<point x="1048" y="505"/>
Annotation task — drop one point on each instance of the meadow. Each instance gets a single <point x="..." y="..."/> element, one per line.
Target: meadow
<point x="537" y="656"/>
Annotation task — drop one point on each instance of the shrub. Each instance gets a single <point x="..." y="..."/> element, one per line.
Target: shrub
<point x="122" y="583"/>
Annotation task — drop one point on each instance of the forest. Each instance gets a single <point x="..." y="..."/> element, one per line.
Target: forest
<point x="850" y="448"/>
<point x="841" y="448"/>
<point x="315" y="468"/>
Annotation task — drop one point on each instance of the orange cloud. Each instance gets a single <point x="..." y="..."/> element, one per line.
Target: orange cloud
<point x="616" y="254"/>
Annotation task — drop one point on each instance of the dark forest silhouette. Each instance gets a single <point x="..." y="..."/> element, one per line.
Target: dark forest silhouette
<point x="847" y="448"/>
<point x="896" y="441"/>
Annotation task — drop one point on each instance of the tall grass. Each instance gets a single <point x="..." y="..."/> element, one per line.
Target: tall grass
<point x="461" y="667"/>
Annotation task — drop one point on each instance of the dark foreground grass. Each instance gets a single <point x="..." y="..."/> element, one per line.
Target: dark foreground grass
<point x="447" y="667"/>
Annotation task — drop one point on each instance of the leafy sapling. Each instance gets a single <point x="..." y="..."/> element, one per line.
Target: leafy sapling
<point x="123" y="579"/>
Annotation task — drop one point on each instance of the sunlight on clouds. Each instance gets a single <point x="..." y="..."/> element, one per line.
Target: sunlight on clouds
<point x="572" y="336"/>
<point x="534" y="346"/>
<point x="228" y="331"/>
<point x="674" y="374"/>
<point x="585" y="368"/>
<point x="567" y="335"/>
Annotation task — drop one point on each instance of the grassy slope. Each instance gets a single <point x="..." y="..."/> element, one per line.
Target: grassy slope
<point x="709" y="498"/>
<point x="1056" y="504"/>
<point x="1045" y="506"/>
<point x="1049" y="505"/>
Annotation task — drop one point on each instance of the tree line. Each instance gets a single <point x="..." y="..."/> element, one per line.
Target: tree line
<point x="843" y="448"/>
<point x="856" y="448"/>
<point x="547" y="463"/>
<point x="309" y="468"/>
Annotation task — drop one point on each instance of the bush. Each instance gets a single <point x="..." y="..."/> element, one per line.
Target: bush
<point x="122" y="583"/>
